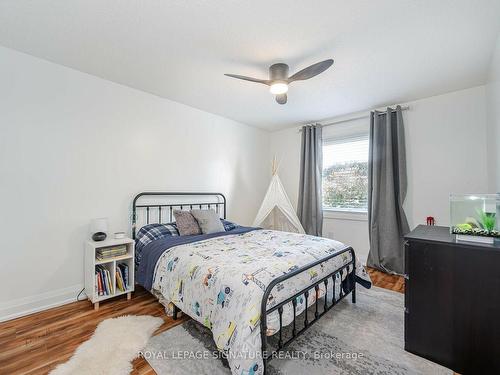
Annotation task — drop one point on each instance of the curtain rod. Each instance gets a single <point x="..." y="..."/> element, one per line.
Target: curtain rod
<point x="403" y="108"/>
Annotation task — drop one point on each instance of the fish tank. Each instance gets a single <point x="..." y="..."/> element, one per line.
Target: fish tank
<point x="474" y="217"/>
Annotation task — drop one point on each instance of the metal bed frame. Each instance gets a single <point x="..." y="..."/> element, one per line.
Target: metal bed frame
<point x="346" y="286"/>
<point x="169" y="207"/>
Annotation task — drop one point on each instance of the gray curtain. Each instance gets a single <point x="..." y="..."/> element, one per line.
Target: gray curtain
<point x="310" y="206"/>
<point x="387" y="185"/>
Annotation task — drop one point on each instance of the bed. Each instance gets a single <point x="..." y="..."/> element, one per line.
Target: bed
<point x="245" y="284"/>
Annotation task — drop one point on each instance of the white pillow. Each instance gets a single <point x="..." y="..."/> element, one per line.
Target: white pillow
<point x="208" y="220"/>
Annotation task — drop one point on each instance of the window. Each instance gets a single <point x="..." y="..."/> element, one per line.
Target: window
<point x="345" y="173"/>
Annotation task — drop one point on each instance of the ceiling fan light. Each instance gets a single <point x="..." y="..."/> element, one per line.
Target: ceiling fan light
<point x="278" y="88"/>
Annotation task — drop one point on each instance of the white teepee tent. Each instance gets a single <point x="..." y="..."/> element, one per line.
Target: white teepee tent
<point x="276" y="211"/>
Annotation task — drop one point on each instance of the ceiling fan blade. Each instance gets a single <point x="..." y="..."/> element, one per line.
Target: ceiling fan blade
<point x="311" y="71"/>
<point x="251" y="79"/>
<point x="281" y="98"/>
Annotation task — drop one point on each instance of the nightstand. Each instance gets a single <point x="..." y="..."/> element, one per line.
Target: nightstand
<point x="108" y="268"/>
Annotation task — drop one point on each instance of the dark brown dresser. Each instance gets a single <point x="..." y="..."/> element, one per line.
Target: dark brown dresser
<point x="452" y="301"/>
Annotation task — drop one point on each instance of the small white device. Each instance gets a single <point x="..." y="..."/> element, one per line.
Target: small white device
<point x="119" y="235"/>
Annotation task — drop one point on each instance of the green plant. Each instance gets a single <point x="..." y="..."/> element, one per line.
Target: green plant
<point x="487" y="220"/>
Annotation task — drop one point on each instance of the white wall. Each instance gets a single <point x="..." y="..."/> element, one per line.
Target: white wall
<point x="446" y="147"/>
<point x="446" y="152"/>
<point x="347" y="228"/>
<point x="74" y="147"/>
<point x="493" y="118"/>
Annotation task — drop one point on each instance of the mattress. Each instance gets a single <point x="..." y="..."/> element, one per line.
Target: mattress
<point x="220" y="281"/>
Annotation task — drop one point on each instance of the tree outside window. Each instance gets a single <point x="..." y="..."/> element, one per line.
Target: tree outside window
<point x="345" y="174"/>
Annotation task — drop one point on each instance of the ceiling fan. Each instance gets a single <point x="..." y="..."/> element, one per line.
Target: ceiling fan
<point x="278" y="77"/>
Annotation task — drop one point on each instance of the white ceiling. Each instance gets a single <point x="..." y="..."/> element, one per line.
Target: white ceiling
<point x="385" y="51"/>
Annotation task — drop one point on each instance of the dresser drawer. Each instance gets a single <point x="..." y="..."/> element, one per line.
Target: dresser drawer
<point x="452" y="301"/>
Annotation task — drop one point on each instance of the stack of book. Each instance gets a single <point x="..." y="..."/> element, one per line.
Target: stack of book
<point x="103" y="282"/>
<point x="122" y="277"/>
<point x="110" y="252"/>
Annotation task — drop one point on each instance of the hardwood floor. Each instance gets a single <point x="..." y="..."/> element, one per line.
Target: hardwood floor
<point x="35" y="344"/>
<point x="384" y="280"/>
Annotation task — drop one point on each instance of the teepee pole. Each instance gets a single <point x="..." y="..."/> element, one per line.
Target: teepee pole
<point x="274" y="165"/>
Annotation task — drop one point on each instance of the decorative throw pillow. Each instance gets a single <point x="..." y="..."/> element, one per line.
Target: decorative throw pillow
<point x="208" y="220"/>
<point x="186" y="223"/>
<point x="228" y="225"/>
<point x="150" y="233"/>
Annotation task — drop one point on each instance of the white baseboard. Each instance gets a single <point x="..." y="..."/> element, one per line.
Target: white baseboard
<point x="43" y="301"/>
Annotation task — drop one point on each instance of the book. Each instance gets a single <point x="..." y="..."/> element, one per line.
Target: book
<point x="99" y="284"/>
<point x="110" y="252"/>
<point x="124" y="269"/>
<point x="119" y="280"/>
<point x="110" y="285"/>
<point x="122" y="277"/>
<point x="104" y="257"/>
<point x="105" y="282"/>
<point x="112" y="248"/>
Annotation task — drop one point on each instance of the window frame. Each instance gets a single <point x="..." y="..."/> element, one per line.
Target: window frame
<point x="338" y="212"/>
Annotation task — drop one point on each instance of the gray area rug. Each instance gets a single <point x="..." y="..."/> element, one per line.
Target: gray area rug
<point x="361" y="338"/>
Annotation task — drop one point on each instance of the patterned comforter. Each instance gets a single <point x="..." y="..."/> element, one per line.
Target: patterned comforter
<point x="220" y="283"/>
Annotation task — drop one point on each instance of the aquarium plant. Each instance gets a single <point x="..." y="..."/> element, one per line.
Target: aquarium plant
<point x="475" y="215"/>
<point x="487" y="220"/>
<point x="484" y="225"/>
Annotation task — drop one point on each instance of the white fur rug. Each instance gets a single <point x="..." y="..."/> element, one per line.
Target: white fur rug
<point x="112" y="347"/>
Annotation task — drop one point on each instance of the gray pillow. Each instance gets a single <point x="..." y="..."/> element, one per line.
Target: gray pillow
<point x="208" y="220"/>
<point x="186" y="223"/>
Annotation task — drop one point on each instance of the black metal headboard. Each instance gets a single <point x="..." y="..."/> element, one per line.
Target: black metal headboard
<point x="164" y="210"/>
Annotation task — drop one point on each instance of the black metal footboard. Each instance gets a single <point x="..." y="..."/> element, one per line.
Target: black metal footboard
<point x="319" y="311"/>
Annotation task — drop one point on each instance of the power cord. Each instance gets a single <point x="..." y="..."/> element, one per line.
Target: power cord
<point x="79" y="294"/>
